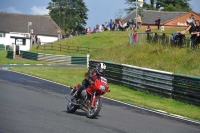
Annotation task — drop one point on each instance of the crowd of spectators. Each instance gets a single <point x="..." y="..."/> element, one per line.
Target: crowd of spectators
<point x="112" y="25"/>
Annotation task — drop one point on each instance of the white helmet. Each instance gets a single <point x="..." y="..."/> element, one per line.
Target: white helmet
<point x="101" y="67"/>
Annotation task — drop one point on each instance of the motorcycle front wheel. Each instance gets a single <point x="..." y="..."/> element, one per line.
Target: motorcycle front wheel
<point x="71" y="108"/>
<point x="94" y="111"/>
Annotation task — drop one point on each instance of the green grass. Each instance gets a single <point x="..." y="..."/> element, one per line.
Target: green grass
<point x="114" y="46"/>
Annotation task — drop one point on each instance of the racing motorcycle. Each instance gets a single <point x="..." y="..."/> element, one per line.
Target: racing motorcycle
<point x="91" y="98"/>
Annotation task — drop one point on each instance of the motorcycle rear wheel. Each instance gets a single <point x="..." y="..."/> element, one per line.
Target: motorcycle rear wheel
<point x="71" y="108"/>
<point x="94" y="111"/>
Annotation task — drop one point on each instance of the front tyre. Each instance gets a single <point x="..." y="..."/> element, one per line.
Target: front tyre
<point x="94" y="111"/>
<point x="71" y="108"/>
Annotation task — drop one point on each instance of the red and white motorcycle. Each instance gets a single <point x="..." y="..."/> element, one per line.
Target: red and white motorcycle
<point x="90" y="100"/>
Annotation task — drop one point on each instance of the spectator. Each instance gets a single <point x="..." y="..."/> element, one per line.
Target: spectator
<point x="130" y="38"/>
<point x="113" y="25"/>
<point x="59" y="34"/>
<point x="158" y="22"/>
<point x="120" y="24"/>
<point x="89" y="30"/>
<point x="106" y="26"/>
<point x="195" y="38"/>
<point x="139" y="21"/>
<point x="101" y="28"/>
<point x="130" y="24"/>
<point x="190" y="28"/>
<point x="36" y="38"/>
<point x="110" y="24"/>
<point x="117" y="24"/>
<point x="86" y="30"/>
<point x="148" y="30"/>
<point x="39" y="41"/>
<point x="135" y="36"/>
<point x="125" y="25"/>
<point x="33" y="39"/>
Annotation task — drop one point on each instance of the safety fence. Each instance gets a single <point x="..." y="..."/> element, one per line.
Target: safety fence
<point x="66" y="48"/>
<point x="55" y="58"/>
<point x="167" y="84"/>
<point x="163" y="39"/>
<point x="2" y="47"/>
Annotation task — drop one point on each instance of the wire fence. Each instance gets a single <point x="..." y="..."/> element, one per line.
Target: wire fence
<point x="166" y="39"/>
<point x="66" y="48"/>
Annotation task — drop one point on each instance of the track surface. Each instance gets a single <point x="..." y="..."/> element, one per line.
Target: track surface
<point x="32" y="105"/>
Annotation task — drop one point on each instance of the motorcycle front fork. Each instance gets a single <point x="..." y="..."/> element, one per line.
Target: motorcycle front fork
<point x="93" y="99"/>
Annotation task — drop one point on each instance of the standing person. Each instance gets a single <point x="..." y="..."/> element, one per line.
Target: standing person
<point x="130" y="35"/>
<point x="195" y="34"/>
<point x="110" y="24"/>
<point x="117" y="24"/>
<point x="148" y="30"/>
<point x="139" y="21"/>
<point x="33" y="39"/>
<point x="36" y="38"/>
<point x="59" y="34"/>
<point x="158" y="22"/>
<point x="135" y="36"/>
<point x="39" y="41"/>
<point x="190" y="28"/>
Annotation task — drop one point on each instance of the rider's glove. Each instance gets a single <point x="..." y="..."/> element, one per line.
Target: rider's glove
<point x="90" y="81"/>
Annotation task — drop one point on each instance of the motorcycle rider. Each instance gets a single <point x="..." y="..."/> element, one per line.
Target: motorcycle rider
<point x="90" y="78"/>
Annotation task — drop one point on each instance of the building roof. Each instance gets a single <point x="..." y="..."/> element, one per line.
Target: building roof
<point x="42" y="25"/>
<point x="149" y="16"/>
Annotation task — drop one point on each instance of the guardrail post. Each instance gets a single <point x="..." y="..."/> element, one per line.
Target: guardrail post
<point x="88" y="59"/>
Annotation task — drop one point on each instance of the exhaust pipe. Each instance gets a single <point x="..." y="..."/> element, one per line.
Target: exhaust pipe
<point x="69" y="99"/>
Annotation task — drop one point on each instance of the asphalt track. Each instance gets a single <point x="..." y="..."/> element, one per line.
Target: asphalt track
<point x="32" y="105"/>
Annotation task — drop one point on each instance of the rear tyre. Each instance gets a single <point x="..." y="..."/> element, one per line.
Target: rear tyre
<point x="94" y="111"/>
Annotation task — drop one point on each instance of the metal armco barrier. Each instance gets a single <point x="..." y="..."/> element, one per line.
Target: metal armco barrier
<point x="179" y="87"/>
<point x="10" y="54"/>
<point x="186" y="88"/>
<point x="2" y="47"/>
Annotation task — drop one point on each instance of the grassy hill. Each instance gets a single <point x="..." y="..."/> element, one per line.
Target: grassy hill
<point x="115" y="47"/>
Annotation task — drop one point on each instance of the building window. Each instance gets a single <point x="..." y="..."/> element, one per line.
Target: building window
<point x="2" y="34"/>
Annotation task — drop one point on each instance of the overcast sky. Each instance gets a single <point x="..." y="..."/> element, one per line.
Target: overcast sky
<point x="100" y="11"/>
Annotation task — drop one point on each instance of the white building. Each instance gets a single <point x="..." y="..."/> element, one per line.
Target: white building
<point x="23" y="25"/>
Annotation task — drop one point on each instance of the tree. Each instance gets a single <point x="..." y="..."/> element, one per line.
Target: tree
<point x="177" y="5"/>
<point x="165" y="5"/>
<point x="69" y="14"/>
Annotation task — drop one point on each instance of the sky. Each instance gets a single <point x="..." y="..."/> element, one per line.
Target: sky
<point x="100" y="11"/>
